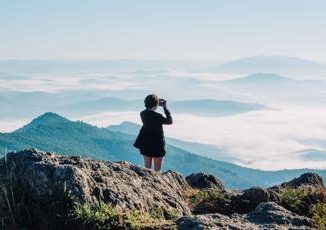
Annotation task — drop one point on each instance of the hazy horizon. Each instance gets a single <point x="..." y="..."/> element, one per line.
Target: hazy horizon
<point x="211" y="61"/>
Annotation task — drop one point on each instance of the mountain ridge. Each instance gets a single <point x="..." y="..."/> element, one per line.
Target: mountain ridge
<point x="262" y="77"/>
<point x="48" y="118"/>
<point x="83" y="139"/>
<point x="275" y="64"/>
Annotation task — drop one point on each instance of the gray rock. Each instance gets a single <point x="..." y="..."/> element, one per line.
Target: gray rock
<point x="306" y="179"/>
<point x="49" y="181"/>
<point x="204" y="181"/>
<point x="272" y="215"/>
<point x="267" y="215"/>
<point x="213" y="221"/>
<point x="251" y="197"/>
<point x="42" y="176"/>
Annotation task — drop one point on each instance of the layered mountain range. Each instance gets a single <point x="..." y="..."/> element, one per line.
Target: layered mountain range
<point x="52" y="132"/>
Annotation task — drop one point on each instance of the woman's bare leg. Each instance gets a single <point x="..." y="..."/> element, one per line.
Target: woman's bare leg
<point x="158" y="163"/>
<point x="148" y="162"/>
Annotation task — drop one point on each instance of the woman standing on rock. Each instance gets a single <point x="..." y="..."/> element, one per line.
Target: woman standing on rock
<point x="150" y="140"/>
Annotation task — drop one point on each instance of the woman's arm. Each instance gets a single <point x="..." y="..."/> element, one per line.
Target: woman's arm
<point x="168" y="119"/>
<point x="142" y="117"/>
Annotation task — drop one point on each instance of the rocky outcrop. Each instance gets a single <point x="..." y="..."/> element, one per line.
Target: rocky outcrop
<point x="43" y="188"/>
<point x="306" y="179"/>
<point x="214" y="221"/>
<point x="204" y="181"/>
<point x="267" y="215"/>
<point x="302" y="194"/>
<point x="122" y="184"/>
<point x="273" y="216"/>
<point x="46" y="178"/>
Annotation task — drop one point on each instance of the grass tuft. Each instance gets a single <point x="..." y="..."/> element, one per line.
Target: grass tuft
<point x="310" y="202"/>
<point x="104" y="216"/>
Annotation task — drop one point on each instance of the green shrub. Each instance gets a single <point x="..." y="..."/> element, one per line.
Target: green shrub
<point x="320" y="215"/>
<point x="292" y="197"/>
<point x="98" y="216"/>
<point x="310" y="202"/>
<point x="104" y="216"/>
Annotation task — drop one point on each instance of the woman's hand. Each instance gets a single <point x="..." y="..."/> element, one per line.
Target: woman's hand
<point x="164" y="104"/>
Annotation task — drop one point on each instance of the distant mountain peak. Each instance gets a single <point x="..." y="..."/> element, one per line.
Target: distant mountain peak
<point x="125" y="127"/>
<point x="268" y="76"/>
<point x="48" y="118"/>
<point x="288" y="65"/>
<point x="274" y="58"/>
<point x="261" y="78"/>
<point x="127" y="123"/>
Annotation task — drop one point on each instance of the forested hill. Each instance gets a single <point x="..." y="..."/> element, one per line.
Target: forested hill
<point x="52" y="132"/>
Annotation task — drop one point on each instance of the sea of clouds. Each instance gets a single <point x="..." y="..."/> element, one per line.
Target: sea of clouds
<point x="267" y="139"/>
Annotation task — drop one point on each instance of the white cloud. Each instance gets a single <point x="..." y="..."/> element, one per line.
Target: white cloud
<point x="9" y="126"/>
<point x="261" y="139"/>
<point x="54" y="83"/>
<point x="111" y="118"/>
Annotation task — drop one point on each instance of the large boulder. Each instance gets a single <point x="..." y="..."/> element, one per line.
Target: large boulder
<point x="274" y="216"/>
<point x="204" y="181"/>
<point x="267" y="215"/>
<point x="214" y="221"/>
<point x="46" y="178"/>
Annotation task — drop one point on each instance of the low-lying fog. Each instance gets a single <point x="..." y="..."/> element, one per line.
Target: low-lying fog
<point x="284" y="125"/>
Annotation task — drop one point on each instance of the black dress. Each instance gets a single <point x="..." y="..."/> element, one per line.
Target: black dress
<point x="150" y="140"/>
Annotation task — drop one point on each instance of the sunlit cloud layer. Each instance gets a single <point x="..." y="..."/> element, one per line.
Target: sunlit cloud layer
<point x="55" y="83"/>
<point x="261" y="139"/>
<point x="268" y="139"/>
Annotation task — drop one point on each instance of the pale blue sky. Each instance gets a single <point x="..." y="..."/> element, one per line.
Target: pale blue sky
<point x="162" y="29"/>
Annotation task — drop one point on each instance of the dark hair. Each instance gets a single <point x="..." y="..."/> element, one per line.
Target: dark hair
<point x="151" y="101"/>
